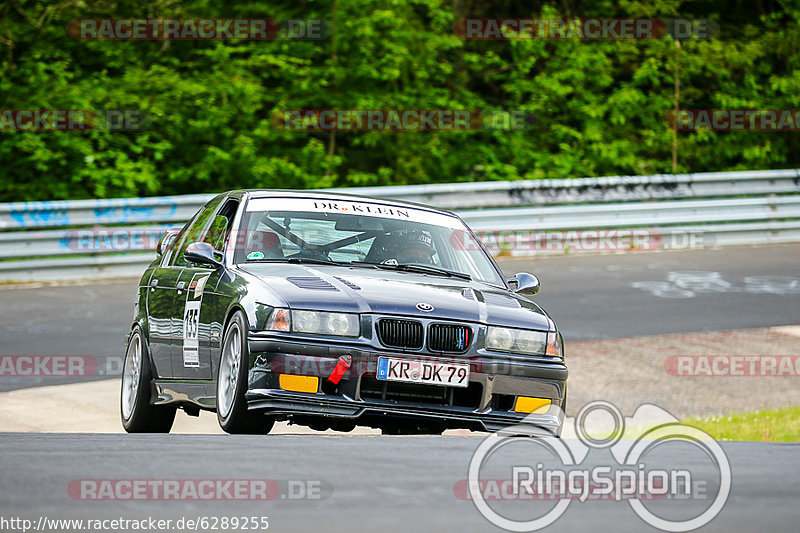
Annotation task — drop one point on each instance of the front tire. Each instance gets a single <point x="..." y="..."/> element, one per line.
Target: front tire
<point x="137" y="413"/>
<point x="232" y="412"/>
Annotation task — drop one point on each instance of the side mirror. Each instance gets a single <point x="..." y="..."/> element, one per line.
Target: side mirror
<point x="524" y="284"/>
<point x="167" y="238"/>
<point x="201" y="253"/>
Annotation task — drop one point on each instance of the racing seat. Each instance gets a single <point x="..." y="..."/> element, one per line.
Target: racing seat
<point x="379" y="251"/>
<point x="265" y="242"/>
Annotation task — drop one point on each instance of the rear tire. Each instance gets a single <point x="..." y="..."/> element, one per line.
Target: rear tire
<point x="232" y="413"/>
<point x="136" y="411"/>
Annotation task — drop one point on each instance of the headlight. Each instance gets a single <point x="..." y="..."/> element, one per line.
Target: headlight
<point x="500" y="339"/>
<point x="315" y="322"/>
<point x="318" y="323"/>
<point x="341" y="324"/>
<point x="516" y="340"/>
<point x="306" y="321"/>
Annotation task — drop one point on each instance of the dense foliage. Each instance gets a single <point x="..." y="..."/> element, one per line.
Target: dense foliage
<point x="600" y="105"/>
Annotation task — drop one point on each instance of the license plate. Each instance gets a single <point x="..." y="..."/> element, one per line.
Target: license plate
<point x="411" y="371"/>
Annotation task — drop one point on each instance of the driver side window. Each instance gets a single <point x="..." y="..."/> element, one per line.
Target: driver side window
<point x="217" y="231"/>
<point x="195" y="231"/>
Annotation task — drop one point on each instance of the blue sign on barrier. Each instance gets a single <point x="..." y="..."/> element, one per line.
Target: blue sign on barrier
<point x="40" y="214"/>
<point x="130" y="212"/>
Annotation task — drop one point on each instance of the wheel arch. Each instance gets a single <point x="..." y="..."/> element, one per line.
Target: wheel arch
<point x="147" y="353"/>
<point x="232" y="309"/>
<point x="235" y="306"/>
<point x="143" y="326"/>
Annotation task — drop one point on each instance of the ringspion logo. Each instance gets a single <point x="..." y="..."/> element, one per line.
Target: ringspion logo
<point x="509" y="467"/>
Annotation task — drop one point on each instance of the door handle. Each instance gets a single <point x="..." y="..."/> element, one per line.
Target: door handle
<point x="181" y="285"/>
<point x="153" y="282"/>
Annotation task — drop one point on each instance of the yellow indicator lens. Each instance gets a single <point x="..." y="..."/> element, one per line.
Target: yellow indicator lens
<point x="298" y="383"/>
<point x="279" y="321"/>
<point x="532" y="405"/>
<point x="554" y="346"/>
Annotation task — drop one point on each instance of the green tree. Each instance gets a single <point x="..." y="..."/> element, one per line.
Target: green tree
<point x="600" y="105"/>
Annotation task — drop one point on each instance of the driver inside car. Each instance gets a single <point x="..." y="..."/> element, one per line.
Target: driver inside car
<point x="412" y="247"/>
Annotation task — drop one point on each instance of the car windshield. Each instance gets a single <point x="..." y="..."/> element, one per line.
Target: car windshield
<point x="360" y="232"/>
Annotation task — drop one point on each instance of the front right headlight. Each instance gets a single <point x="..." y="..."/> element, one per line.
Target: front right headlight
<point x="514" y="340"/>
<point x="319" y="323"/>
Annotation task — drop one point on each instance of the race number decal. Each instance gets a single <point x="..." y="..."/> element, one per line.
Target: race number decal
<point x="191" y="321"/>
<point x="191" y="346"/>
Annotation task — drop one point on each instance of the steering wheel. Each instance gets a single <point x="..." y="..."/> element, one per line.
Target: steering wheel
<point x="311" y="254"/>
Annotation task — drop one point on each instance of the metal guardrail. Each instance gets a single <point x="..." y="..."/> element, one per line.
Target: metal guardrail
<point x="103" y="240"/>
<point x="592" y="190"/>
<point x="69" y="268"/>
<point x="111" y="238"/>
<point x="634" y="215"/>
<point x="27" y="215"/>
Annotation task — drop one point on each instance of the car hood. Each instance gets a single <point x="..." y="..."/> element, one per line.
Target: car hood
<point x="385" y="292"/>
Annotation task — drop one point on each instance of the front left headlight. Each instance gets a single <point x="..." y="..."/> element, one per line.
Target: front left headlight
<point x="514" y="340"/>
<point x="319" y="323"/>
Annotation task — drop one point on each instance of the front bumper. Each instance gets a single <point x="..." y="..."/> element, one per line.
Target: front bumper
<point x="487" y="404"/>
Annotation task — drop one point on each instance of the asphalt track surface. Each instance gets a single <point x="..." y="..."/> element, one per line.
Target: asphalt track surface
<point x="369" y="483"/>
<point x="378" y="483"/>
<point x="589" y="296"/>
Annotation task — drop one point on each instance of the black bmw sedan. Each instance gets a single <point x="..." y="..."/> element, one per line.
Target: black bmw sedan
<point x="334" y="311"/>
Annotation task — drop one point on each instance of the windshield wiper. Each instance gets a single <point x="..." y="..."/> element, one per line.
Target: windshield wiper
<point x="363" y="264"/>
<point x="427" y="269"/>
<point x="424" y="269"/>
<point x="311" y="261"/>
<point x="296" y="260"/>
<point x="410" y="267"/>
